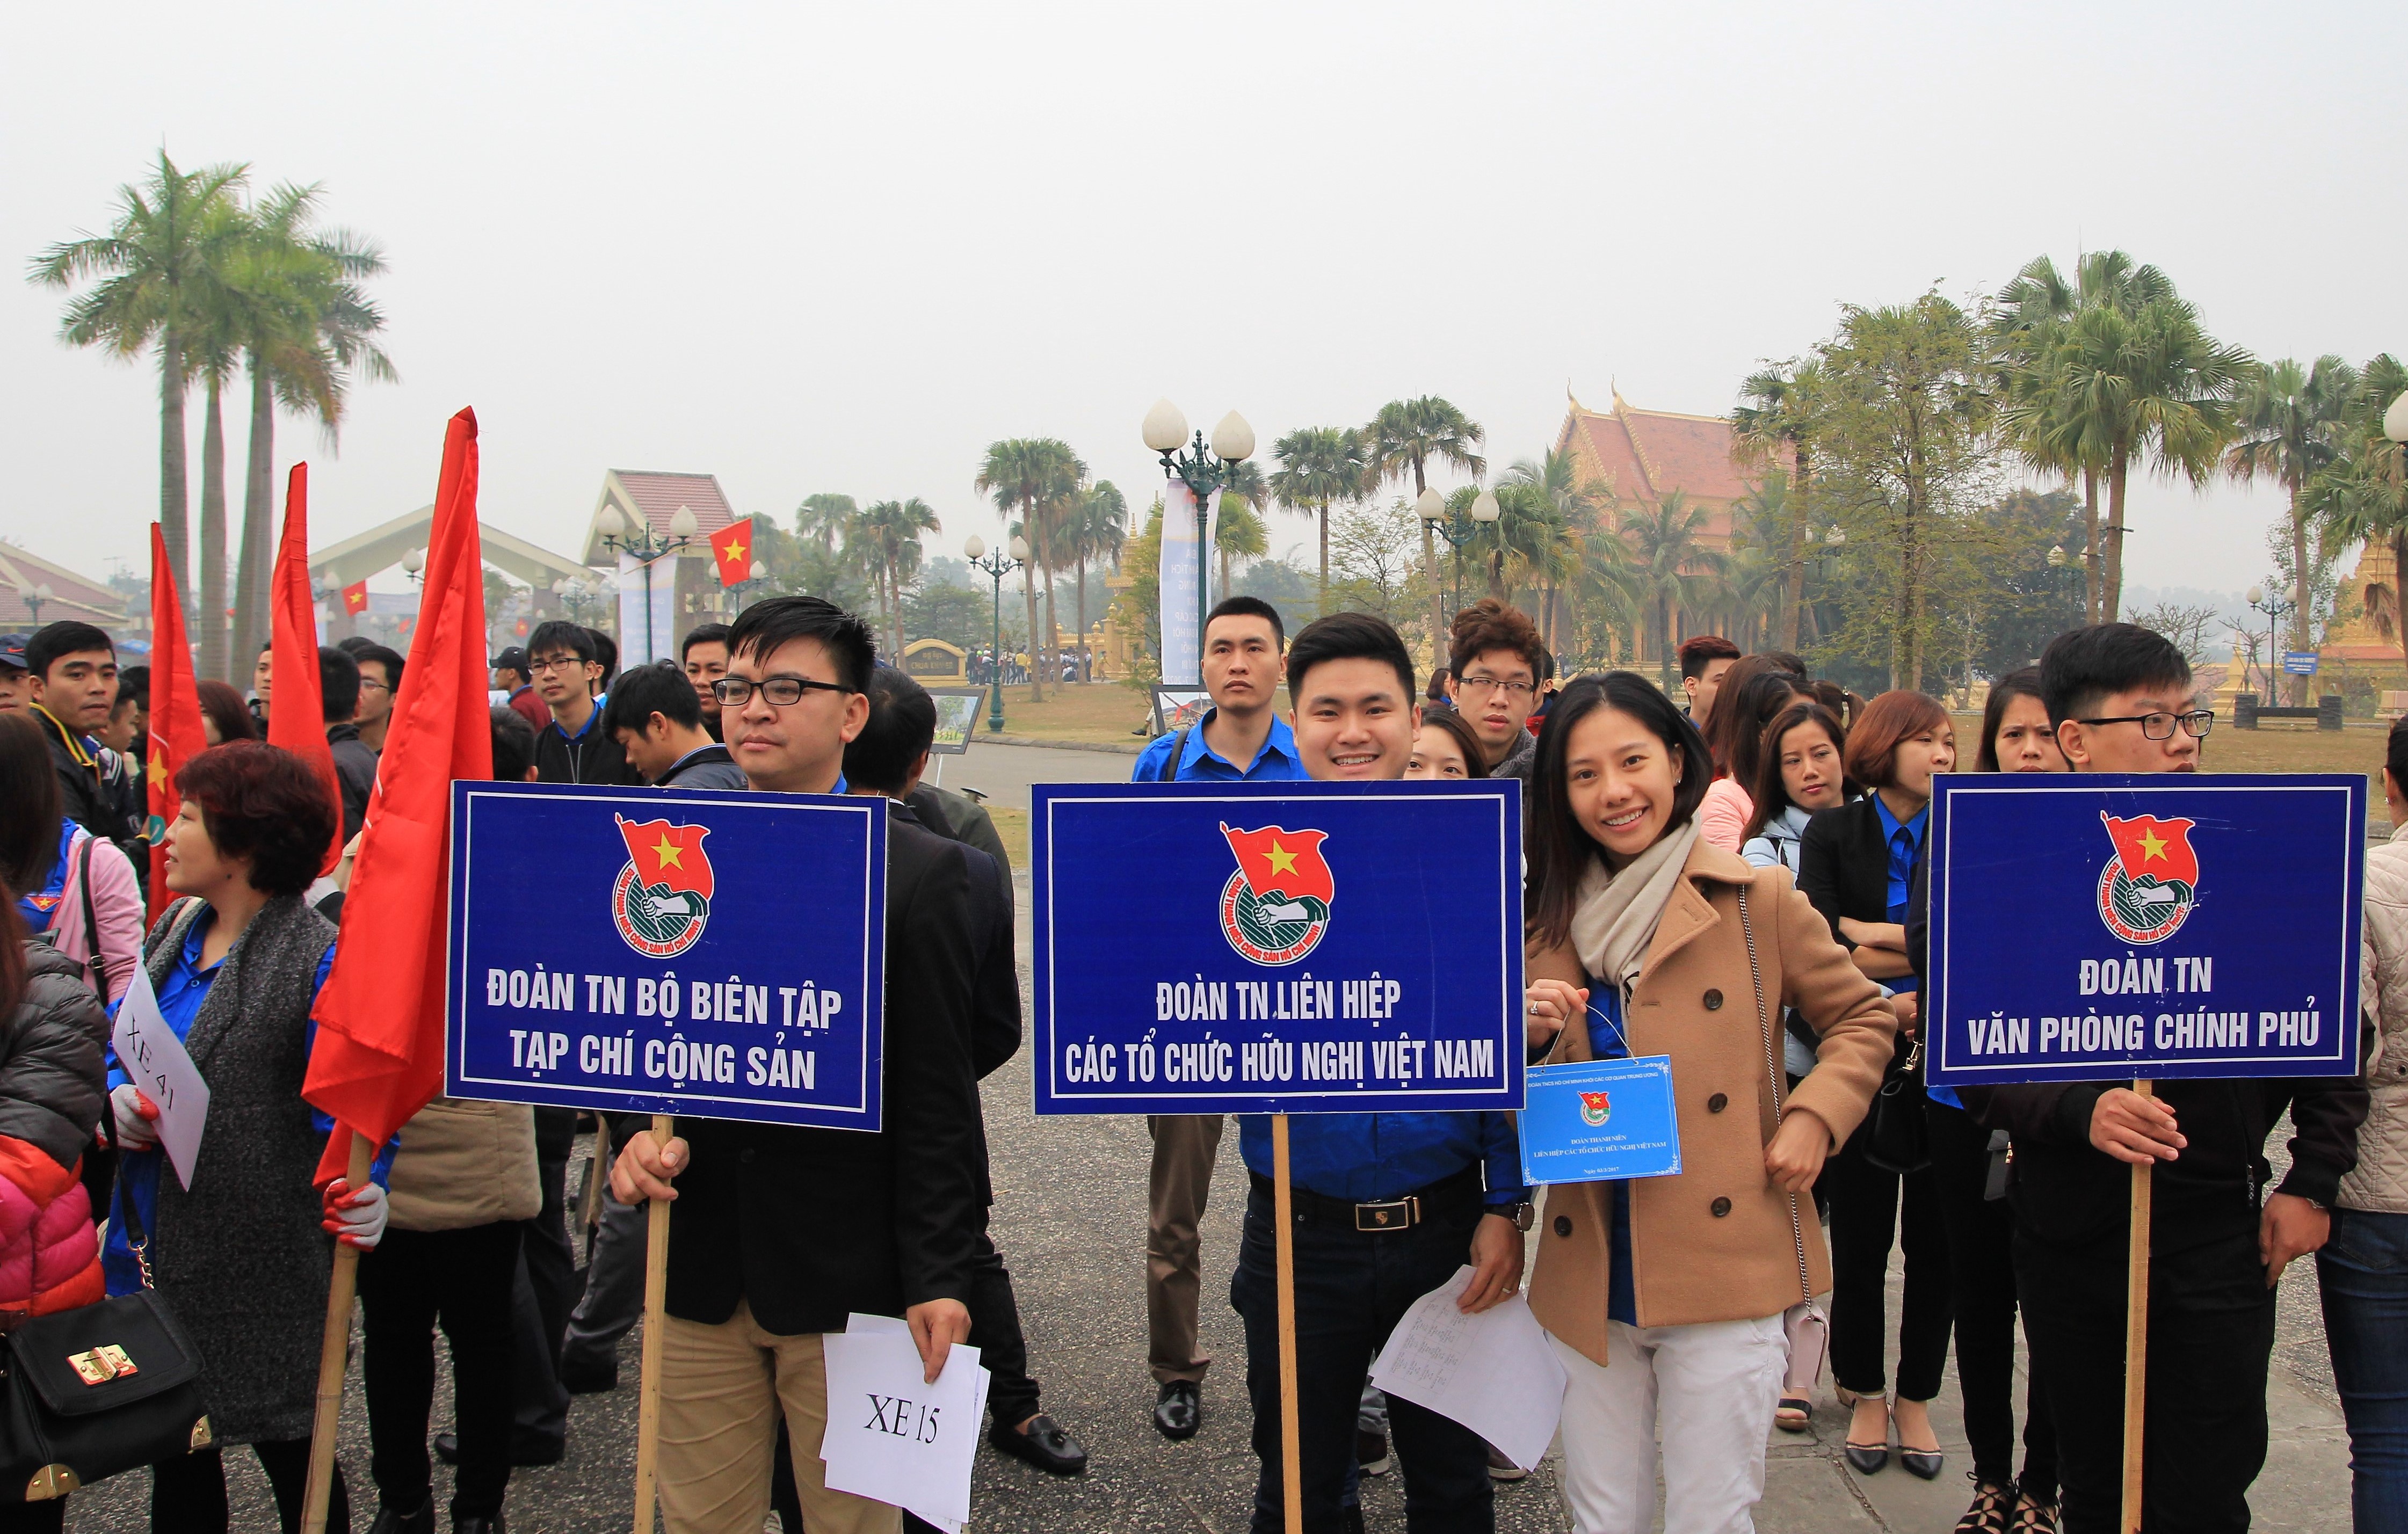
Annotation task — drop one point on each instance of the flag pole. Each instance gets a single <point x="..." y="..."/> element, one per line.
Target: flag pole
<point x="2136" y="1335"/>
<point x="1282" y="1214"/>
<point x="648" y="1390"/>
<point x="332" y="1353"/>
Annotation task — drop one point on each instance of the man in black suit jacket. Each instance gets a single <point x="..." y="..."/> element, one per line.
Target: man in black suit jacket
<point x="780" y="1231"/>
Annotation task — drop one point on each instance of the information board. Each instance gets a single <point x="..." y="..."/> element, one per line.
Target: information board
<point x="713" y="954"/>
<point x="2090" y="926"/>
<point x="1289" y="947"/>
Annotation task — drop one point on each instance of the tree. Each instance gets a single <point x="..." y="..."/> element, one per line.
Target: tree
<point x="1543" y="513"/>
<point x="892" y="531"/>
<point x="1040" y="476"/>
<point x="1097" y="530"/>
<point x="1371" y="556"/>
<point x="1319" y="467"/>
<point x="1670" y="570"/>
<point x="1778" y="414"/>
<point x="825" y="518"/>
<point x="158" y="269"/>
<point x="2289" y="420"/>
<point x="1236" y="534"/>
<point x="1402" y="440"/>
<point x="2363" y="494"/>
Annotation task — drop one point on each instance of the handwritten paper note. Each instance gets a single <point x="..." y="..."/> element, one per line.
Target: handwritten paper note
<point x="1493" y="1373"/>
<point x="154" y="1060"/>
<point x="892" y="1435"/>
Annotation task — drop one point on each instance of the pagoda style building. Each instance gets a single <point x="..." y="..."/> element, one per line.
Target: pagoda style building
<point x="2359" y="640"/>
<point x="1642" y="456"/>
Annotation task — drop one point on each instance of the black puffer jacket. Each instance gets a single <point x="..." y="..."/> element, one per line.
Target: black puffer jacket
<point x="52" y="1081"/>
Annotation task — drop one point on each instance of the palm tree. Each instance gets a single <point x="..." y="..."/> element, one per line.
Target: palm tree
<point x="825" y="518"/>
<point x="1041" y="476"/>
<point x="1670" y="571"/>
<point x="1318" y="465"/>
<point x="1550" y="512"/>
<point x="1402" y="439"/>
<point x="1098" y="530"/>
<point x="2362" y="494"/>
<point x="158" y="266"/>
<point x="1778" y="414"/>
<point x="1238" y="533"/>
<point x="892" y="530"/>
<point x="2291" y="421"/>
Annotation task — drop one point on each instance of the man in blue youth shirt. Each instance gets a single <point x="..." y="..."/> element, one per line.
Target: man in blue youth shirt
<point x="1387" y="1206"/>
<point x="1240" y="739"/>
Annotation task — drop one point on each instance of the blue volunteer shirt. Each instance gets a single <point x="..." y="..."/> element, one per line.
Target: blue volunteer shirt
<point x="1367" y="1159"/>
<point x="36" y="909"/>
<point x="1277" y="762"/>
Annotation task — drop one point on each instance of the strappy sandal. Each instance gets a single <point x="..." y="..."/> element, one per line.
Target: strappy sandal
<point x="1993" y="1504"/>
<point x="2033" y="1518"/>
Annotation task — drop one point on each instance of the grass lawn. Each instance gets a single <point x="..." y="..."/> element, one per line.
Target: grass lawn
<point x="1104" y="712"/>
<point x="2270" y="748"/>
<point x="1012" y="825"/>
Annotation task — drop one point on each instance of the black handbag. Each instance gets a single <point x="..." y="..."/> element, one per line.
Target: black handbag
<point x="102" y="1388"/>
<point x="1896" y="1138"/>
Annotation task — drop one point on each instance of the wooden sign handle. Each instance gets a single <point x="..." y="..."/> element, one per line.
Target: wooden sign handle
<point x="1282" y="1212"/>
<point x="2136" y="1336"/>
<point x="334" y="1352"/>
<point x="647" y="1391"/>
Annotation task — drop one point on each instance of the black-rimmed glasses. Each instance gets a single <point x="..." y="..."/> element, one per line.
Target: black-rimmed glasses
<point x="2160" y="726"/>
<point x="781" y="691"/>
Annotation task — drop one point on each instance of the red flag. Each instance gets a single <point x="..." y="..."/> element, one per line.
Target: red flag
<point x="296" y="706"/>
<point x="356" y="598"/>
<point x="732" y="547"/>
<point x="668" y="857"/>
<point x="380" y="1050"/>
<point x="176" y="733"/>
<point x="2154" y="848"/>
<point x="1283" y="862"/>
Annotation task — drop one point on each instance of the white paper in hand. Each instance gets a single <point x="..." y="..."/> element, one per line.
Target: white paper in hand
<point x="154" y="1060"/>
<point x="892" y="1435"/>
<point x="1493" y="1373"/>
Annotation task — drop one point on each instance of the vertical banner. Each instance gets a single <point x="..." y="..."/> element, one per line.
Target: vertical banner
<point x="1182" y="619"/>
<point x="646" y="636"/>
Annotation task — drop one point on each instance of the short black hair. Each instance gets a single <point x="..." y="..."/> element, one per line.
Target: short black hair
<point x="605" y="654"/>
<point x="369" y="650"/>
<point x="1249" y="606"/>
<point x="769" y="625"/>
<point x="134" y="686"/>
<point x="1345" y="636"/>
<point x="2082" y="666"/>
<point x="513" y="744"/>
<point x="644" y="691"/>
<point x="355" y="646"/>
<point x="557" y="634"/>
<point x="338" y="685"/>
<point x="702" y="634"/>
<point x="902" y="723"/>
<point x="66" y="636"/>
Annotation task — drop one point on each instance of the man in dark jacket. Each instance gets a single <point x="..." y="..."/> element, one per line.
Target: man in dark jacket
<point x="573" y="747"/>
<point x="356" y="766"/>
<point x="654" y="717"/>
<point x="782" y="1231"/>
<point x="2219" y="1238"/>
<point x="71" y="671"/>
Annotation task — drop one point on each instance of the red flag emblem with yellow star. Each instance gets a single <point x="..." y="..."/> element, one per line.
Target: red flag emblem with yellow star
<point x="2154" y="848"/>
<point x="731" y="547"/>
<point x="668" y="857"/>
<point x="1279" y="860"/>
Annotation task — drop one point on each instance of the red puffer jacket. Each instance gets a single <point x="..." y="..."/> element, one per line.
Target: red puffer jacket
<point x="49" y="1256"/>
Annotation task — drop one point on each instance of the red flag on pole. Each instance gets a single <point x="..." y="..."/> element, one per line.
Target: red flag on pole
<point x="296" y="705"/>
<point x="176" y="733"/>
<point x="731" y="547"/>
<point x="356" y="598"/>
<point x="380" y="1050"/>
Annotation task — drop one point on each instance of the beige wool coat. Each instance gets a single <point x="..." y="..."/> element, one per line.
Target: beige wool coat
<point x="465" y="1162"/>
<point x="1718" y="1242"/>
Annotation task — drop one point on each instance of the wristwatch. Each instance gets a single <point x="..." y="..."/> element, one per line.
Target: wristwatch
<point x="1523" y="1214"/>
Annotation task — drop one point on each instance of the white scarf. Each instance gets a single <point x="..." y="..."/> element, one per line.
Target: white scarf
<point x="1615" y="915"/>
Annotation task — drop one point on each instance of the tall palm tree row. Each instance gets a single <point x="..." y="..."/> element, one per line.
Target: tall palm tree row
<point x="891" y="530"/>
<point x="1318" y="466"/>
<point x="2289" y="421"/>
<point x="1040" y="477"/>
<point x="1669" y="569"/>
<point x="2361" y="493"/>
<point x="1096" y="532"/>
<point x="1400" y="443"/>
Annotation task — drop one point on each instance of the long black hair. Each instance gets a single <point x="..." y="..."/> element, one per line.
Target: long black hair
<point x="1559" y="848"/>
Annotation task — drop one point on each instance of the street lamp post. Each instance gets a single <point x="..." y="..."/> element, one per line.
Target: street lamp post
<point x="2275" y="609"/>
<point x="997" y="565"/>
<point x="1453" y="526"/>
<point x="1203" y="471"/>
<point x="647" y="548"/>
<point x="35" y="597"/>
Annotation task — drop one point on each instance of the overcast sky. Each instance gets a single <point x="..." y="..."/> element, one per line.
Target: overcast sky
<point x="843" y="247"/>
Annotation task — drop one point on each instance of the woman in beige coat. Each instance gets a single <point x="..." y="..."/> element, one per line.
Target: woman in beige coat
<point x="1664" y="1295"/>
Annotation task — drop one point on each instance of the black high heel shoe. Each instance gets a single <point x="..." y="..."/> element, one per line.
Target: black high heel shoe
<point x="1925" y="1464"/>
<point x="1869" y="1458"/>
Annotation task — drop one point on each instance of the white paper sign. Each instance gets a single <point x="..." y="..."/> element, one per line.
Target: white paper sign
<point x="1493" y="1373"/>
<point x="154" y="1060"/>
<point x="892" y="1435"/>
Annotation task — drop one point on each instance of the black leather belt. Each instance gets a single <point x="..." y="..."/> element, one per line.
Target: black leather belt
<point x="1446" y="1195"/>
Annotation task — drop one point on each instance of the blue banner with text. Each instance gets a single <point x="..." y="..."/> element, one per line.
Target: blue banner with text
<point x="2088" y="926"/>
<point x="715" y="954"/>
<point x="1292" y="947"/>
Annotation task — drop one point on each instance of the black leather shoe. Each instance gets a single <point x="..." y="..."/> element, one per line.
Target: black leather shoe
<point x="589" y="1380"/>
<point x="1179" y="1409"/>
<point x="1868" y="1458"/>
<point x="1923" y="1462"/>
<point x="1045" y="1445"/>
<point x="525" y="1452"/>
<point x="392" y="1520"/>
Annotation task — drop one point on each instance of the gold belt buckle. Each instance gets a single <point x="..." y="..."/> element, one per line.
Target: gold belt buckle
<point x="1394" y="1214"/>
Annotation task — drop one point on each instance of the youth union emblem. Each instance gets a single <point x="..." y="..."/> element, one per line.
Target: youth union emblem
<point x="662" y="897"/>
<point x="2148" y="888"/>
<point x="1275" y="908"/>
<point x="1595" y="1109"/>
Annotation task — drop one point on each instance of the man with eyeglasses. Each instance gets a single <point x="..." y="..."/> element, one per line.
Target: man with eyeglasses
<point x="781" y="1232"/>
<point x="573" y="747"/>
<point x="1497" y="660"/>
<point x="2121" y="700"/>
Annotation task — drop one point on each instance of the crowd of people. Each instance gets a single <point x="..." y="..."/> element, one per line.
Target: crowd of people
<point x="1733" y="877"/>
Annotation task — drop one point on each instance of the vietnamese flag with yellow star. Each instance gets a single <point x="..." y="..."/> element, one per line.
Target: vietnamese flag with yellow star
<point x="177" y="735"/>
<point x="356" y="598"/>
<point x="732" y="548"/>
<point x="2157" y="848"/>
<point x="1277" y="861"/>
<point x="669" y="855"/>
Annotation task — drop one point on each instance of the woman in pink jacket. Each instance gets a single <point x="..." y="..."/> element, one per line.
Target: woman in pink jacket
<point x="1754" y="690"/>
<point x="70" y="886"/>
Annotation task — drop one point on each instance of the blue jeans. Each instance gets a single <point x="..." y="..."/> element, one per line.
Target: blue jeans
<point x="2363" y="1273"/>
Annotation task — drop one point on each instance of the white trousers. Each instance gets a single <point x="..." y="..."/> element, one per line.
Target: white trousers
<point x="1697" y="1398"/>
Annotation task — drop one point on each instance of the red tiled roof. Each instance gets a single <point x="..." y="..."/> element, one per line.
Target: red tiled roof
<point x="657" y="496"/>
<point x="1645" y="455"/>
<point x="72" y="595"/>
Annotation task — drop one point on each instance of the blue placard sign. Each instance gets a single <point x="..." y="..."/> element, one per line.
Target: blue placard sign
<point x="2299" y="663"/>
<point x="1596" y="1120"/>
<point x="2090" y="926"/>
<point x="721" y="955"/>
<point x="1292" y="947"/>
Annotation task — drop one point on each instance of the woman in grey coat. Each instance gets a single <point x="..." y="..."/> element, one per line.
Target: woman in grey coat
<point x="242" y="1254"/>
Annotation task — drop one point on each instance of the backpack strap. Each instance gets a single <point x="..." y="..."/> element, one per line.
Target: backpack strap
<point x="92" y="960"/>
<point x="1170" y="770"/>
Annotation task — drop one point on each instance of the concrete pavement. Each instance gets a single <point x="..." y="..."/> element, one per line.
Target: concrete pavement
<point x="1004" y="773"/>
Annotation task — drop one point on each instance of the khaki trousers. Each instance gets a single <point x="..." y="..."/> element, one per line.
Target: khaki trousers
<point x="1186" y="1145"/>
<point x="722" y="1388"/>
